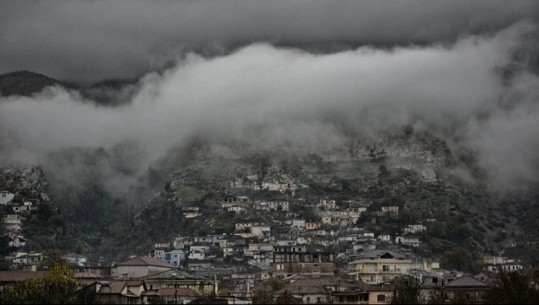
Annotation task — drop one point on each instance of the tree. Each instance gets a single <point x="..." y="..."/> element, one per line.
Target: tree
<point x="514" y="288"/>
<point x="287" y="298"/>
<point x="57" y="287"/>
<point x="456" y="258"/>
<point x="264" y="293"/>
<point x="4" y="264"/>
<point x="22" y="292"/>
<point x="407" y="290"/>
<point x="263" y="296"/>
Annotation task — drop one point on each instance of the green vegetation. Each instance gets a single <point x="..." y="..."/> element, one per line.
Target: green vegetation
<point x="190" y="194"/>
<point x="58" y="286"/>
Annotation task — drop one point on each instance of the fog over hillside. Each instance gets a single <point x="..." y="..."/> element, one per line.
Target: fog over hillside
<point x="303" y="77"/>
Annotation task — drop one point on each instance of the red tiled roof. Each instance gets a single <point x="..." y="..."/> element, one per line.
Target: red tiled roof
<point x="87" y="275"/>
<point x="144" y="261"/>
<point x="117" y="287"/>
<point x="182" y="291"/>
<point x="150" y="293"/>
<point x="16" y="276"/>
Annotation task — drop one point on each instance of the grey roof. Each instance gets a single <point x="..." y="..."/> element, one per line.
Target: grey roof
<point x="378" y="253"/>
<point x="466" y="281"/>
<point x="171" y="274"/>
<point x="145" y="261"/>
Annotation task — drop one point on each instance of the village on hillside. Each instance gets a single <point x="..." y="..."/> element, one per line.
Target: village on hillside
<point x="289" y="259"/>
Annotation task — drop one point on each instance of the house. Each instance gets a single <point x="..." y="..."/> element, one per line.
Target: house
<point x="384" y="238"/>
<point x="243" y="226"/>
<point x="327" y="204"/>
<point x="190" y="212"/>
<point x="332" y="289"/>
<point x="23" y="258"/>
<point x="499" y="264"/>
<point x="301" y="240"/>
<point x="254" y="248"/>
<point x="380" y="293"/>
<point x="76" y="259"/>
<point x="309" y="290"/>
<point x="312" y="225"/>
<point x="236" y="209"/>
<point x="159" y="250"/>
<point x="198" y="252"/>
<point x="380" y="266"/>
<point x="297" y="224"/>
<point x="182" y="242"/>
<point x="174" y="295"/>
<point x="214" y="240"/>
<point x="278" y="206"/>
<point x="231" y="241"/>
<point x="11" y="277"/>
<point x="12" y="222"/>
<point x="355" y="212"/>
<point x="391" y="210"/>
<point x="175" y="278"/>
<point x="466" y="289"/>
<point x="329" y="220"/>
<point x="26" y="207"/>
<point x="260" y="230"/>
<point x="234" y="201"/>
<point x="261" y="205"/>
<point x="174" y="257"/>
<point x="299" y="259"/>
<point x="15" y="240"/>
<point x="139" y="267"/>
<point x="412" y="241"/>
<point x="259" y="254"/>
<point x="414" y="229"/>
<point x="117" y="292"/>
<point x="86" y="278"/>
<point x="351" y="292"/>
<point x="6" y="197"/>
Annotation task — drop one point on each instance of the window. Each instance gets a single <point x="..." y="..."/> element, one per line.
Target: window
<point x="381" y="298"/>
<point x="385" y="268"/>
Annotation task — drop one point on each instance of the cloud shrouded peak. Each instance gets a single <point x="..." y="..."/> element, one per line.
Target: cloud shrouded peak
<point x="89" y="41"/>
<point x="270" y="96"/>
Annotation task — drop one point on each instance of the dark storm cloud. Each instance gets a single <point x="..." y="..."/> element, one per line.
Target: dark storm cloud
<point x="88" y="41"/>
<point x="271" y="97"/>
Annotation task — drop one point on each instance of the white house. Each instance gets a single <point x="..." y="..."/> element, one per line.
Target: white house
<point x="260" y="230"/>
<point x="278" y="205"/>
<point x="414" y="229"/>
<point x="297" y="223"/>
<point x="27" y="258"/>
<point x="236" y="209"/>
<point x="12" y="222"/>
<point x="6" y="197"/>
<point x="77" y="259"/>
<point x="174" y="257"/>
<point x="327" y="204"/>
<point x="390" y="210"/>
<point x="413" y="241"/>
<point x="384" y="237"/>
<point x="16" y="240"/>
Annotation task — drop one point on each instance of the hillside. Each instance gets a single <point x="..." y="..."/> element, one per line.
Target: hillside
<point x="103" y="204"/>
<point x="25" y="83"/>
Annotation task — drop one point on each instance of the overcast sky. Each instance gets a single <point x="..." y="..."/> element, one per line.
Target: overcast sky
<point x="256" y="74"/>
<point x="88" y="41"/>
